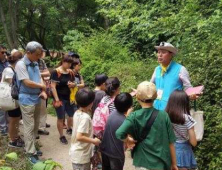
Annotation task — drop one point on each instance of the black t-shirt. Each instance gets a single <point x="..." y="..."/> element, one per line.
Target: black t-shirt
<point x="111" y="146"/>
<point x="62" y="88"/>
<point x="99" y="94"/>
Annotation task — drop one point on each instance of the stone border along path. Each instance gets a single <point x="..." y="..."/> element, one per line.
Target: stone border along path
<point x="52" y="148"/>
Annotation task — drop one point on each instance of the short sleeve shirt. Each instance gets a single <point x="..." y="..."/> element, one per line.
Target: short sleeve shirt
<point x="62" y="88"/>
<point x="3" y="65"/>
<point x="116" y="146"/>
<point x="81" y="152"/>
<point x="153" y="152"/>
<point x="7" y="74"/>
<point x="111" y="107"/>
<point x="181" y="131"/>
<point x="25" y="69"/>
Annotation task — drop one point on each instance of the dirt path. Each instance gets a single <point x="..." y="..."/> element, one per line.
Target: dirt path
<point x="52" y="148"/>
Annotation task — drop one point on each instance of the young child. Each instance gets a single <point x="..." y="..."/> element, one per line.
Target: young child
<point x="113" y="156"/>
<point x="82" y="137"/>
<point x="183" y="124"/>
<point x="100" y="88"/>
<point x="112" y="89"/>
<point x="157" y="150"/>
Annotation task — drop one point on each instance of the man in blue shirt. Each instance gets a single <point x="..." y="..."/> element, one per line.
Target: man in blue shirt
<point x="31" y="90"/>
<point x="3" y="65"/>
<point x="169" y="75"/>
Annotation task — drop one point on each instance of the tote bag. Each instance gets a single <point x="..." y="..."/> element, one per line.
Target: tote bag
<point x="199" y="127"/>
<point x="6" y="101"/>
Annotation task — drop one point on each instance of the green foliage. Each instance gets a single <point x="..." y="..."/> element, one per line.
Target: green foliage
<point x="9" y="155"/>
<point x="103" y="53"/>
<point x="136" y="26"/>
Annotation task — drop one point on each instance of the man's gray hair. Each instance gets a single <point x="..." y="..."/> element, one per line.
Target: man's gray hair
<point x="33" y="46"/>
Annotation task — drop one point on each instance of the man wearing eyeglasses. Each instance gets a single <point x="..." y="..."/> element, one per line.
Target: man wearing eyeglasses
<point x="31" y="90"/>
<point x="169" y="75"/>
<point x="3" y="61"/>
<point x="3" y="65"/>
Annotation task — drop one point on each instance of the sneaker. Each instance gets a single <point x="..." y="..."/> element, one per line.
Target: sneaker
<point x="15" y="144"/>
<point x="63" y="140"/>
<point x="99" y="166"/>
<point x="20" y="141"/>
<point x="4" y="132"/>
<point x="69" y="131"/>
<point x="43" y="132"/>
<point x="47" y="125"/>
<point x="34" y="159"/>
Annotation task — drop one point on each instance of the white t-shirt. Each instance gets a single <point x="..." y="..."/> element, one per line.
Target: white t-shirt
<point x="7" y="74"/>
<point x="80" y="152"/>
<point x="181" y="131"/>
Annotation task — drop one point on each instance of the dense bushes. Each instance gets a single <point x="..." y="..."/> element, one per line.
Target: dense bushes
<point x="103" y="53"/>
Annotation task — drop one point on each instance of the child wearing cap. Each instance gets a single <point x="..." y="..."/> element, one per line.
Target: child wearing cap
<point x="157" y="150"/>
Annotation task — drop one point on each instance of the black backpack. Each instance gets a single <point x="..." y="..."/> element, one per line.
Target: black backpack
<point x="14" y="86"/>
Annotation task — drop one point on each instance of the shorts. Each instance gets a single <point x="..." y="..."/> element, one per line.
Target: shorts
<point x="75" y="107"/>
<point x="15" y="113"/>
<point x="81" y="166"/>
<point x="66" y="107"/>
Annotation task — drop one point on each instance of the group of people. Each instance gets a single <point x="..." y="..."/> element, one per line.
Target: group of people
<point x="102" y="121"/>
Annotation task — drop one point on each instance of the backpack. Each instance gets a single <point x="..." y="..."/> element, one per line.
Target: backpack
<point x="14" y="86"/>
<point x="100" y="116"/>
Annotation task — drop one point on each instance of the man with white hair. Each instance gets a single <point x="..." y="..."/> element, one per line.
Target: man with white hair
<point x="31" y="90"/>
<point x="169" y="75"/>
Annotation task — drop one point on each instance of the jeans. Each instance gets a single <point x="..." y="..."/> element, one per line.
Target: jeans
<point x="3" y="121"/>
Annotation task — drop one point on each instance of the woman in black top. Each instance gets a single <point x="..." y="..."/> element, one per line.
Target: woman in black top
<point x="62" y="79"/>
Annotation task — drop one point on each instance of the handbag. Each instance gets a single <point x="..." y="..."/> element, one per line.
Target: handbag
<point x="197" y="115"/>
<point x="145" y="130"/>
<point x="199" y="126"/>
<point x="6" y="101"/>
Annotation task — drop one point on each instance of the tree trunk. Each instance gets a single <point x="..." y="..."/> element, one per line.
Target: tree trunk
<point x="10" y="43"/>
<point x="13" y="24"/>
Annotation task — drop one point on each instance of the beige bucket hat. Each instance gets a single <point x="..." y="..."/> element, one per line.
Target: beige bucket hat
<point x="167" y="46"/>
